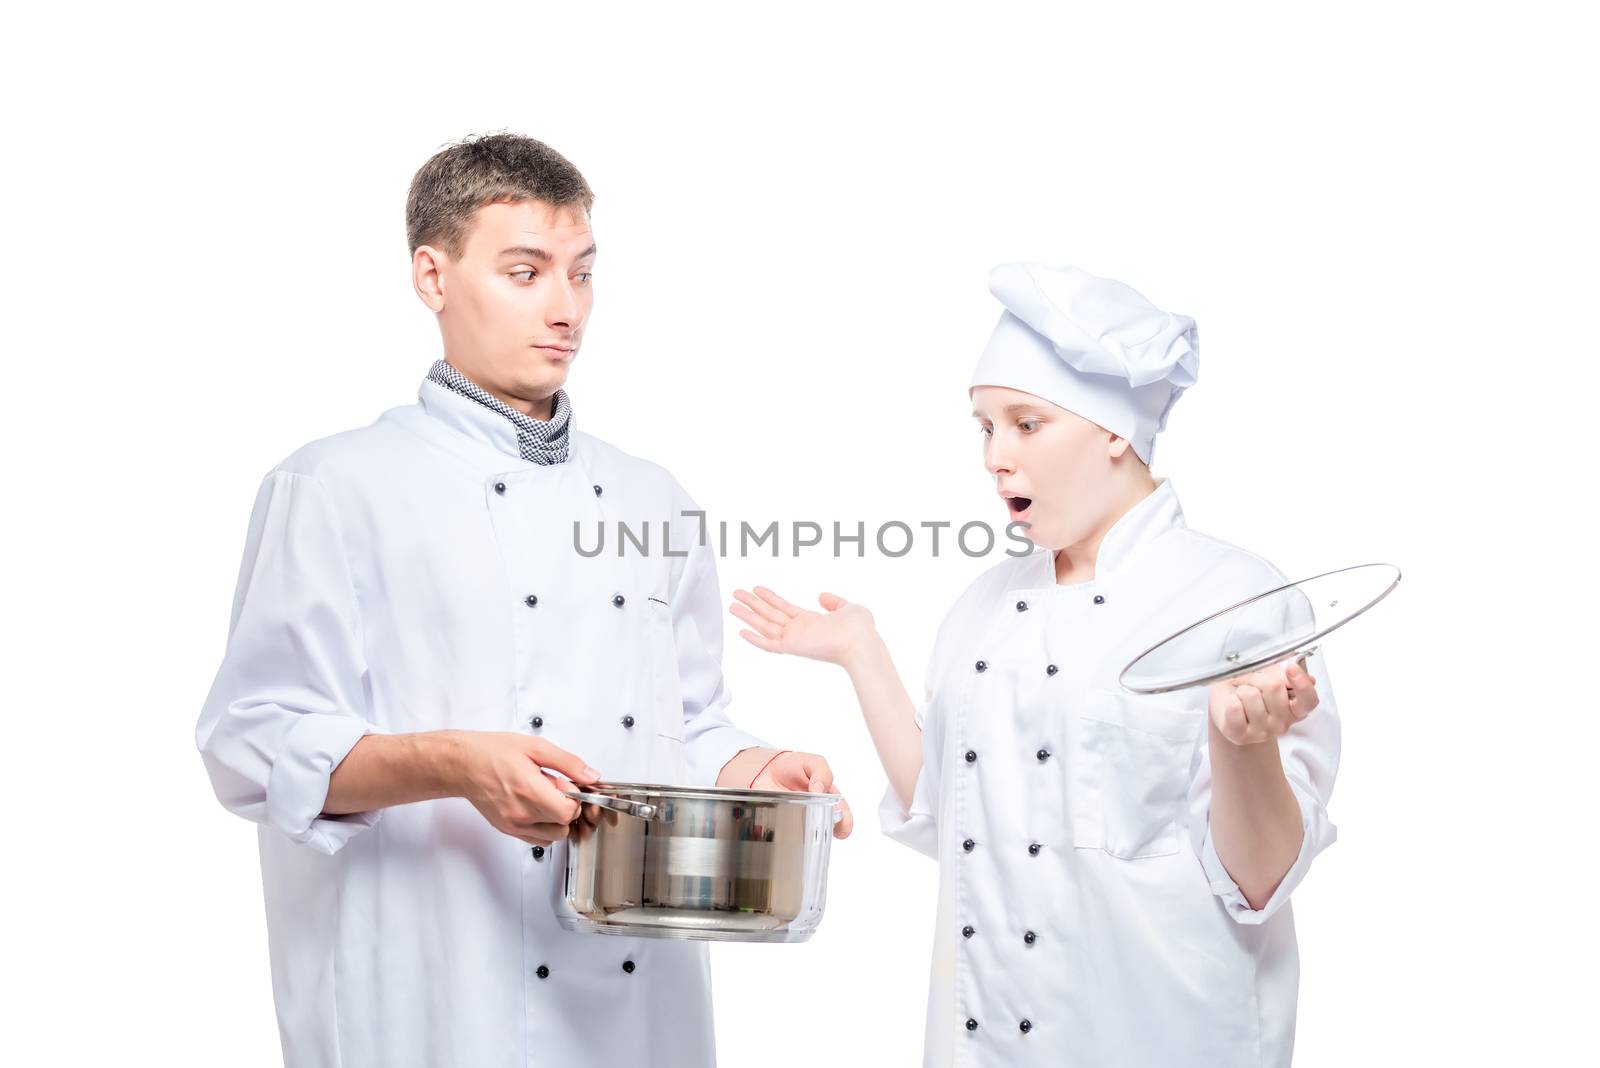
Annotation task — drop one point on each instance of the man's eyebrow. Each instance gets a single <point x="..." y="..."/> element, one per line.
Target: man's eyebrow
<point x="540" y="254"/>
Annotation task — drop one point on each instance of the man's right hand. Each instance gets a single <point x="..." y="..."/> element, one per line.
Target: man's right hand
<point x="502" y="775"/>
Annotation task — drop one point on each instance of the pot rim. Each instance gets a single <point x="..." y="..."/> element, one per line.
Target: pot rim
<point x="710" y="793"/>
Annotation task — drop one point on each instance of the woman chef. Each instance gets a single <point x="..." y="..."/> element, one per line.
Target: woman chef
<point x="1115" y="870"/>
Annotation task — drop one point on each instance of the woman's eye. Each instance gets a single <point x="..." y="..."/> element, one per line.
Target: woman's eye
<point x="1028" y="426"/>
<point x="585" y="276"/>
<point x="986" y="430"/>
<point x="526" y="276"/>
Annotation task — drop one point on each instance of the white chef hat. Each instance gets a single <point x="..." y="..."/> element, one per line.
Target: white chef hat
<point x="1092" y="346"/>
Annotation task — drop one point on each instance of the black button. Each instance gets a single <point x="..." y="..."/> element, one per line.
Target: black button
<point x="597" y="491"/>
<point x="538" y="852"/>
<point x="972" y="758"/>
<point x="1022" y="606"/>
<point x="627" y="721"/>
<point x="967" y="932"/>
<point x="1030" y="938"/>
<point x="617" y="600"/>
<point x="499" y="487"/>
<point x="542" y="972"/>
<point x="1050" y="669"/>
<point x="530" y="600"/>
<point x="972" y="1025"/>
<point x="536" y="722"/>
<point x="1033" y="849"/>
<point x="1043" y="755"/>
<point x="627" y="965"/>
<point x="968" y="845"/>
<point x="981" y="666"/>
<point x="1099" y="599"/>
<point x="1025" y="1027"/>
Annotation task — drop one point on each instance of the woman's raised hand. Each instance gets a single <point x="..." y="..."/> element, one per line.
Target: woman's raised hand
<point x="779" y="627"/>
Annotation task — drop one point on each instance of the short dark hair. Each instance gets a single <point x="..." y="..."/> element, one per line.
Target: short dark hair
<point x="486" y="169"/>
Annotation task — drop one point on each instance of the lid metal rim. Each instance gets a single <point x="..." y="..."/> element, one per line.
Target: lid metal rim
<point x="1237" y="669"/>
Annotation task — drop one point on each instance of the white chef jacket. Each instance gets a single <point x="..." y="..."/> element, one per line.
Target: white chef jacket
<point x="416" y="574"/>
<point x="1084" y="917"/>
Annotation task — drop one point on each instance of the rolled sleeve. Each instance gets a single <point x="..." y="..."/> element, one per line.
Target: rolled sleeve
<point x="290" y="698"/>
<point x="915" y="826"/>
<point x="710" y="738"/>
<point x="297" y="786"/>
<point x="1317" y="833"/>
<point x="1310" y="755"/>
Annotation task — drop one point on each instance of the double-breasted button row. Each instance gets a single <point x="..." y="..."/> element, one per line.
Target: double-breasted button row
<point x="543" y="970"/>
<point x="1028" y="937"/>
<point x="1025" y="1026"/>
<point x="983" y="665"/>
<point x="537" y="722"/>
<point x="532" y="600"/>
<point x="968" y="845"/>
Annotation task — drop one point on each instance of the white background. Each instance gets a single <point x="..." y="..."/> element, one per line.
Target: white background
<point x="1382" y="215"/>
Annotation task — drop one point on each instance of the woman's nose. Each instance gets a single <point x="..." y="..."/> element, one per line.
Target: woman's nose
<point x="996" y="458"/>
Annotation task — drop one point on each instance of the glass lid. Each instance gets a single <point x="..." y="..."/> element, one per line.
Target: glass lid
<point x="1287" y="621"/>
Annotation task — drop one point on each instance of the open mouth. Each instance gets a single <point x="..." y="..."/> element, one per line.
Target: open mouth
<point x="1018" y="505"/>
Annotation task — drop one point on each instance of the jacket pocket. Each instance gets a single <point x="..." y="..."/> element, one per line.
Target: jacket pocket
<point x="1132" y="759"/>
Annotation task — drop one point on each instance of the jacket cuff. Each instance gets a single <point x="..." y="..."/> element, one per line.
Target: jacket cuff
<point x="914" y="827"/>
<point x="1317" y="833"/>
<point x="708" y="752"/>
<point x="297" y="786"/>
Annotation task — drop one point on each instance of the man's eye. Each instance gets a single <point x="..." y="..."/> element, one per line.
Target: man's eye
<point x="986" y="431"/>
<point x="520" y="274"/>
<point x="585" y="275"/>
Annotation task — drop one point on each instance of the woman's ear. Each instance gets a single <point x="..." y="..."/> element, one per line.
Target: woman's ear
<point x="1117" y="447"/>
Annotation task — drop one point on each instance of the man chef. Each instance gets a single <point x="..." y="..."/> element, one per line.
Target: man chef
<point x="414" y="638"/>
<point x="1115" y="870"/>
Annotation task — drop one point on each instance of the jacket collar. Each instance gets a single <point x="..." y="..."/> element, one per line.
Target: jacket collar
<point x="1152" y="517"/>
<point x="1157" y="514"/>
<point x="467" y="416"/>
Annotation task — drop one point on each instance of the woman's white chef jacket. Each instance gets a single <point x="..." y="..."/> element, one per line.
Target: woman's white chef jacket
<point x="1084" y="918"/>
<point x="415" y="575"/>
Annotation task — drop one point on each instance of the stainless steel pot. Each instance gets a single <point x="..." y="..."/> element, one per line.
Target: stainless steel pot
<point x="706" y="863"/>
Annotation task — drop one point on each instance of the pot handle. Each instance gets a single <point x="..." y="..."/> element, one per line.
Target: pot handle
<point x="639" y="809"/>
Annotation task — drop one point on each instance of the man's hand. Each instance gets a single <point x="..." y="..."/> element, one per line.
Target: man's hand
<point x="806" y="772"/>
<point x="502" y="775"/>
<point x="1263" y="704"/>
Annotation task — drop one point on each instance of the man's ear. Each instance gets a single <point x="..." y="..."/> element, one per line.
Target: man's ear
<point x="427" y="276"/>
